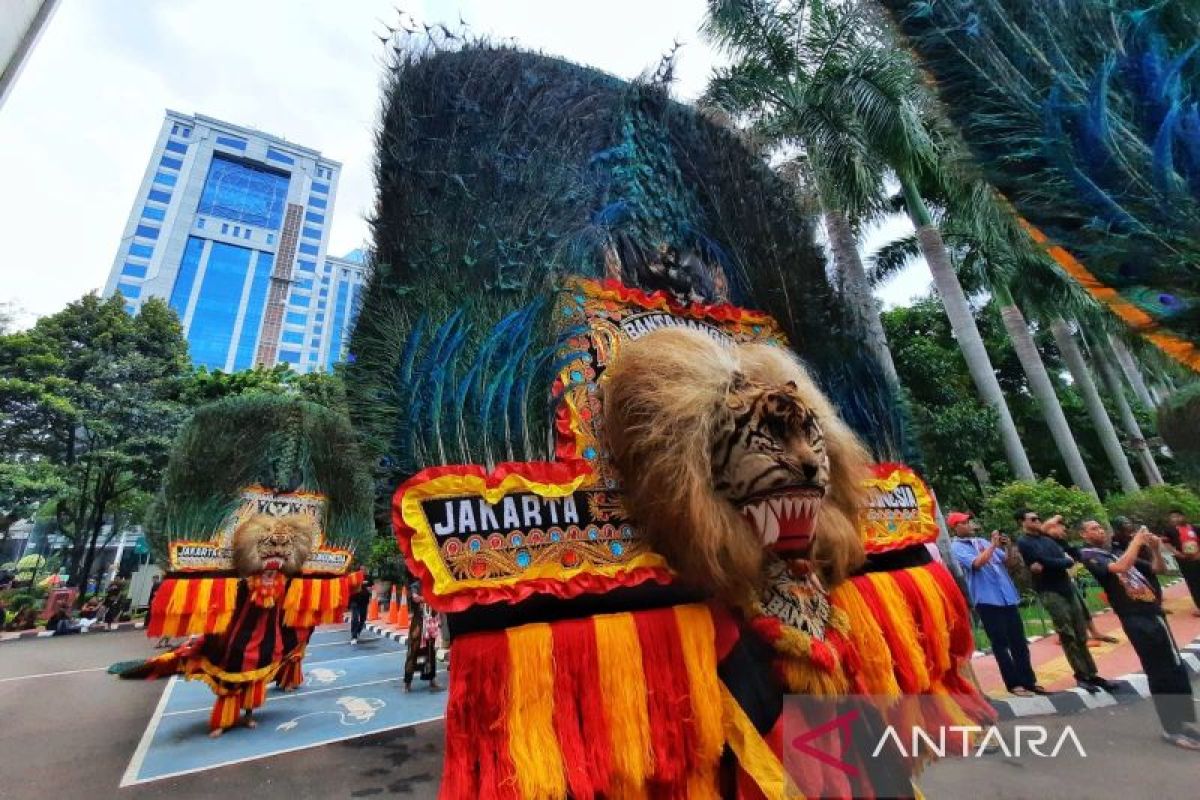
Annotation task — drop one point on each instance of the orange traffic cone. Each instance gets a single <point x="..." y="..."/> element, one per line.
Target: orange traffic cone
<point x="373" y="608"/>
<point x="393" y="614"/>
<point x="403" y="622"/>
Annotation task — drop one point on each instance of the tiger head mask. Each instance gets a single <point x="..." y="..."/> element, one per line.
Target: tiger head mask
<point x="727" y="451"/>
<point x="266" y="545"/>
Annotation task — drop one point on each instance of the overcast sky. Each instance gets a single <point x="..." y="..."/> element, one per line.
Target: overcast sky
<point x="77" y="130"/>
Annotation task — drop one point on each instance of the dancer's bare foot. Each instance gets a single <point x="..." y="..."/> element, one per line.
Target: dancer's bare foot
<point x="216" y="734"/>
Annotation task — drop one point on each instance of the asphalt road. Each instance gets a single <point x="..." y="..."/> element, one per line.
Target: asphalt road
<point x="1125" y="758"/>
<point x="71" y="735"/>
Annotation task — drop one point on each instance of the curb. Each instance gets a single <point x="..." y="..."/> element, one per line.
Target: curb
<point x="387" y="633"/>
<point x="1130" y="689"/>
<point x="12" y="636"/>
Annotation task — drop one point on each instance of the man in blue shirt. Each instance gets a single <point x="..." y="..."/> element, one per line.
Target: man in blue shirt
<point x="995" y="599"/>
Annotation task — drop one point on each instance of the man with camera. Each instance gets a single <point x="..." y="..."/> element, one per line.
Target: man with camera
<point x="995" y="599"/>
<point x="1129" y="580"/>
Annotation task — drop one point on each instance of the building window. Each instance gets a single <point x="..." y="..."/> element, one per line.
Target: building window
<point x="300" y="300"/>
<point x="320" y="188"/>
<point x="229" y="141"/>
<point x="129" y="291"/>
<point x="244" y="193"/>
<point x="252" y="321"/>
<point x="318" y="328"/>
<point x="289" y="356"/>
<point x="189" y="265"/>
<point x="296" y="318"/>
<point x="306" y="266"/>
<point x="292" y="337"/>
<point x="282" y="158"/>
<point x="310" y="233"/>
<point x="185" y="132"/>
<point x="320" y="318"/>
<point x="199" y="222"/>
<point x="153" y="213"/>
<point x="315" y="343"/>
<point x="321" y="305"/>
<point x="164" y="179"/>
<point x="159" y="196"/>
<point x="237" y="230"/>
<point x="141" y="250"/>
<point x="170" y="163"/>
<point x="146" y="231"/>
<point x="133" y="271"/>
<point x="304" y="284"/>
<point x="270" y="238"/>
<point x="324" y="293"/>
<point x="177" y="147"/>
<point x="317" y="202"/>
<point x="217" y="302"/>
<point x="312" y="216"/>
<point x="309" y="249"/>
<point x="224" y="227"/>
<point x="130" y="310"/>
<point x="246" y="234"/>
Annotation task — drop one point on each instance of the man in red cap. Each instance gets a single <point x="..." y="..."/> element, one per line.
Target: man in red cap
<point x="995" y="599"/>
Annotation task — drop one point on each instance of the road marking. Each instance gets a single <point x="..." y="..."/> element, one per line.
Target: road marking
<point x="274" y="753"/>
<point x="290" y="695"/>
<point x="51" y="674"/>
<point x="139" y="755"/>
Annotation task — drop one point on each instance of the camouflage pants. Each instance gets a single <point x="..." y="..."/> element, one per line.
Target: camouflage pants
<point x="1070" y="620"/>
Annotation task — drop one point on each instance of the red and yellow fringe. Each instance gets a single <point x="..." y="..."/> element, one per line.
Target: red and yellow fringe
<point x="318" y="601"/>
<point x="614" y="706"/>
<point x="192" y="606"/>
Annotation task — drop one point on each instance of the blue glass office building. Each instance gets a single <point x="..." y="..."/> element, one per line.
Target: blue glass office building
<point x="230" y="226"/>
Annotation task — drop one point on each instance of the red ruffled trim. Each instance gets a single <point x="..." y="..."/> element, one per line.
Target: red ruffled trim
<point x="725" y="312"/>
<point x="543" y="472"/>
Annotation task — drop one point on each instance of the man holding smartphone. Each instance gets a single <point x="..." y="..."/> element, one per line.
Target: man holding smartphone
<point x="1052" y="581"/>
<point x="996" y="599"/>
<point x="1129" y="580"/>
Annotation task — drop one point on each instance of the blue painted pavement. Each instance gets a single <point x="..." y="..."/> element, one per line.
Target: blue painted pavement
<point x="349" y="691"/>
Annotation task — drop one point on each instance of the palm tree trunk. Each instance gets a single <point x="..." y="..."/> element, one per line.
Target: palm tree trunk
<point x="1137" y="441"/>
<point x="1132" y="373"/>
<point x="965" y="330"/>
<point x="1073" y="357"/>
<point x="857" y="291"/>
<point x="1043" y="390"/>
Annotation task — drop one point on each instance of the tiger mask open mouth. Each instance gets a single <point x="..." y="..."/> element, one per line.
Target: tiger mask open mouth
<point x="727" y="452"/>
<point x="770" y="462"/>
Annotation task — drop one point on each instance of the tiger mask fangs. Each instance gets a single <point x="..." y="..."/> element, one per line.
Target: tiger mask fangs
<point x="726" y="452"/>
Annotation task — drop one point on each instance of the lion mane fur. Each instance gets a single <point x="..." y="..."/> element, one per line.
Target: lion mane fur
<point x="664" y="405"/>
<point x="291" y="536"/>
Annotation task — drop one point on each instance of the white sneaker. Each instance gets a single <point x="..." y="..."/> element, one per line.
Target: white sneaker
<point x="354" y="640"/>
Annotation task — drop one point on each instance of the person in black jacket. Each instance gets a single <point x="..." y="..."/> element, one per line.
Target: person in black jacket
<point x="360" y="601"/>
<point x="1051" y="580"/>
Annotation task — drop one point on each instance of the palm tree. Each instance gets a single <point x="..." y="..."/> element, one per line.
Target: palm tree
<point x="1137" y="441"/>
<point x="1073" y="356"/>
<point x="829" y="80"/>
<point x="1042" y="389"/>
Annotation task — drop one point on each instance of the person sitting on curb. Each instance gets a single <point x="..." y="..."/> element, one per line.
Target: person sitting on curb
<point x="1056" y="529"/>
<point x="996" y="599"/>
<point x="1129" y="579"/>
<point x="1051" y="580"/>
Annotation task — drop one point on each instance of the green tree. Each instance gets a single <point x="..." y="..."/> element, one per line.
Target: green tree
<point x="96" y="393"/>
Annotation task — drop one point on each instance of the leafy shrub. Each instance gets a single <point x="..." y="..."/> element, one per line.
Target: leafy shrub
<point x="1046" y="497"/>
<point x="1150" y="506"/>
<point x="385" y="561"/>
<point x="18" y="599"/>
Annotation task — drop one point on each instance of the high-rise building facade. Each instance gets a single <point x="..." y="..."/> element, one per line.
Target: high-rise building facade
<point x="230" y="226"/>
